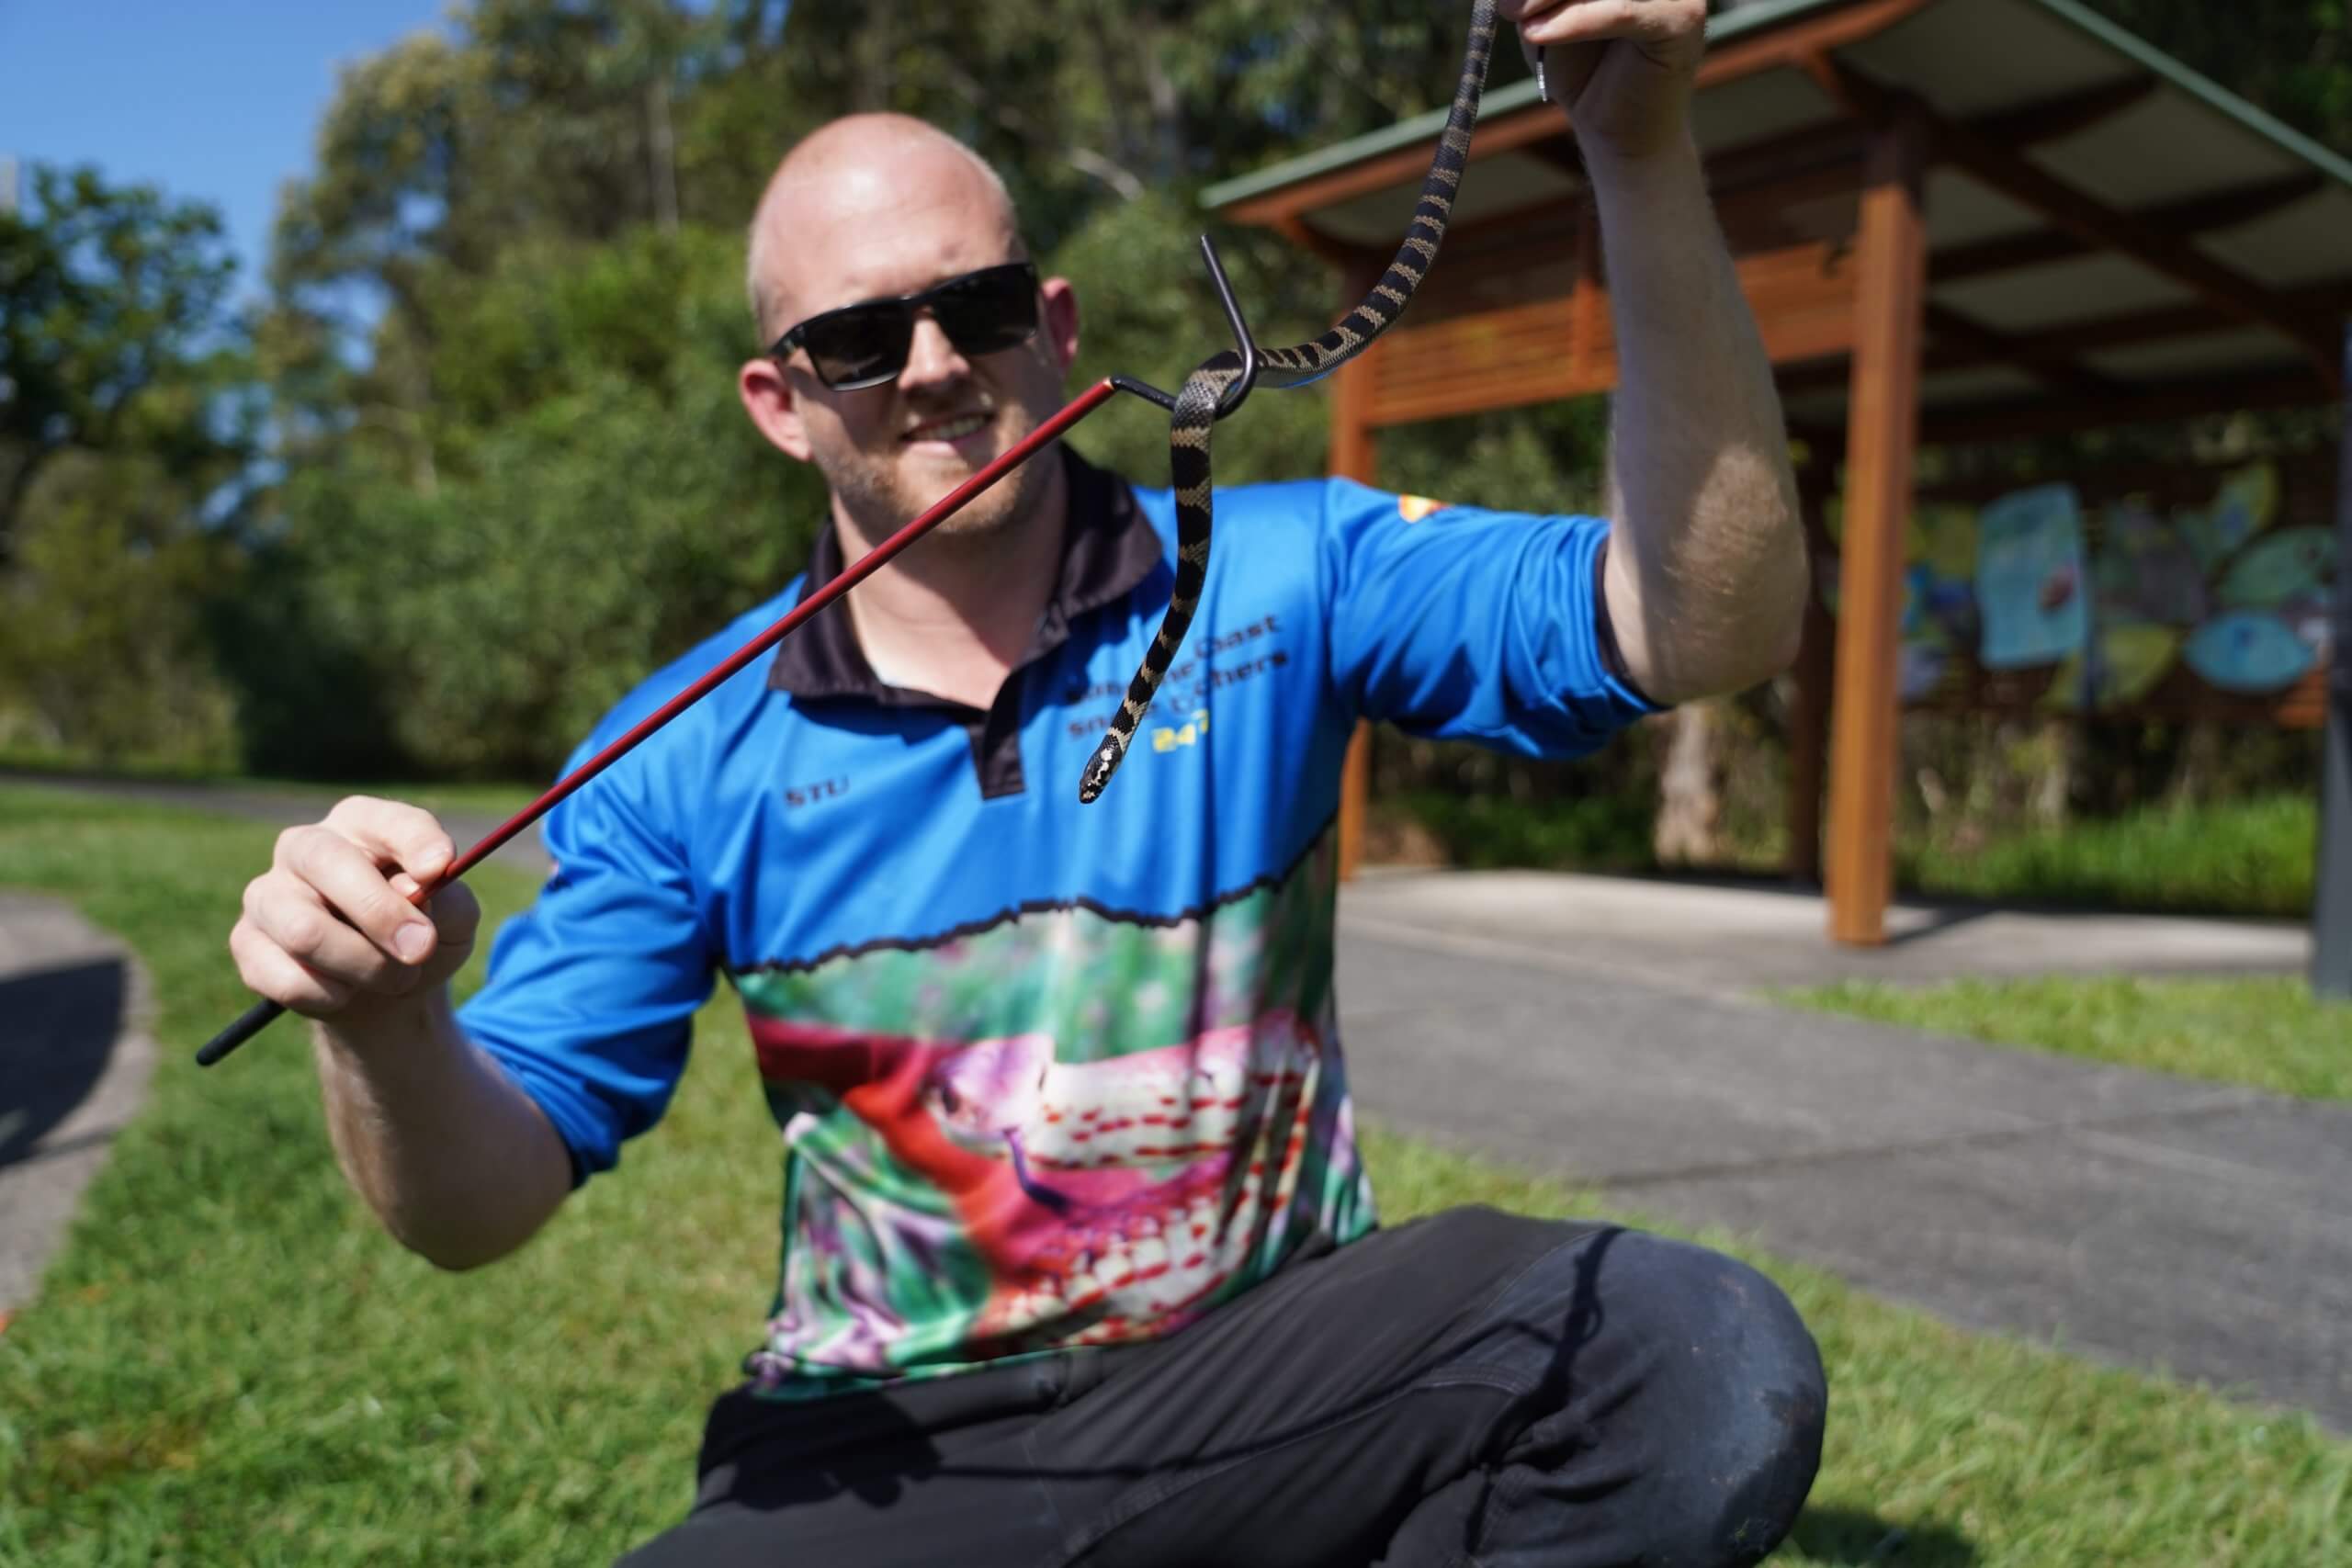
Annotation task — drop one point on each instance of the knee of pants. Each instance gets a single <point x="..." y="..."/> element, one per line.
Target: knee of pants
<point x="1746" y="1399"/>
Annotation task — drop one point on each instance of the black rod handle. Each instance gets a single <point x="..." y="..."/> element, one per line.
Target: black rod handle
<point x="250" y="1022"/>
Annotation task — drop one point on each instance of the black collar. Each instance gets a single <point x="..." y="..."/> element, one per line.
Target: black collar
<point x="1109" y="548"/>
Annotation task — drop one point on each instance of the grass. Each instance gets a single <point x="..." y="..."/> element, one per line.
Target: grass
<point x="2268" y="1033"/>
<point x="230" y="1363"/>
<point x="2250" y="857"/>
<point x="483" y="798"/>
<point x="2242" y="857"/>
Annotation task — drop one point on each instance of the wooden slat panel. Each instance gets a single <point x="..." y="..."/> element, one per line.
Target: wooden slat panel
<point x="1565" y="346"/>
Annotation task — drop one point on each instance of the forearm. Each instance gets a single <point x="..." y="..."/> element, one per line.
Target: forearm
<point x="459" y="1164"/>
<point x="1708" y="553"/>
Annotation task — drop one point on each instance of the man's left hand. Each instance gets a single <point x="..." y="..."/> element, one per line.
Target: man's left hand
<point x="1623" y="69"/>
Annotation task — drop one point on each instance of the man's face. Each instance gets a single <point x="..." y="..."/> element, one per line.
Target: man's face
<point x="890" y="451"/>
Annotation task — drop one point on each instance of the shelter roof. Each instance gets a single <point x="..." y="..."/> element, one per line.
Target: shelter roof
<point x="2103" y="223"/>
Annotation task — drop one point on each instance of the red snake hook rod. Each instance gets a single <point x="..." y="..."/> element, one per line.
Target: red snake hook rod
<point x="259" y="1016"/>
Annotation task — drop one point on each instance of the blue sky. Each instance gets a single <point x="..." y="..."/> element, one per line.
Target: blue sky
<point x="214" y="99"/>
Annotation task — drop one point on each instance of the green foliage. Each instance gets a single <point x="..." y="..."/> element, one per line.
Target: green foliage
<point x="2252" y="856"/>
<point x="110" y="297"/>
<point x="1149" y="312"/>
<point x="602" y="505"/>
<point x="1609" y="832"/>
<point x="100" y="619"/>
<point x="2292" y="58"/>
<point x="119" y="417"/>
<point x="1548" y="459"/>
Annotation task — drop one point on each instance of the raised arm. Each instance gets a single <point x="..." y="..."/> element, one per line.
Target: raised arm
<point x="1707" y="571"/>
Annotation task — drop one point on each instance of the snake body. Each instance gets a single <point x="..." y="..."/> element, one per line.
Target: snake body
<point x="1195" y="413"/>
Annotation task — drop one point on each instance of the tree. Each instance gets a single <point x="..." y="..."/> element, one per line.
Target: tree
<point x="112" y="333"/>
<point x="101" y="618"/>
<point x="2293" y="58"/>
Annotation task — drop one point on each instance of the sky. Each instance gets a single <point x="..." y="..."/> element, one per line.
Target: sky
<point x="218" y="100"/>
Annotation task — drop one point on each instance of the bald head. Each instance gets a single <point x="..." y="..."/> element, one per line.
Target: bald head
<point x="854" y="180"/>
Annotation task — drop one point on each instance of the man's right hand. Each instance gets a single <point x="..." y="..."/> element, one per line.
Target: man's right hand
<point x="329" y="930"/>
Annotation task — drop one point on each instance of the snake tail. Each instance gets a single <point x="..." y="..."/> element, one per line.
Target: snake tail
<point x="1188" y="463"/>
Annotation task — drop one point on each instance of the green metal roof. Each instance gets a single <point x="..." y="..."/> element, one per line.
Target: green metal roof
<point x="1758" y="19"/>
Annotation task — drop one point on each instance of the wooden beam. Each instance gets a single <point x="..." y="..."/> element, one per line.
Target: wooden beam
<point x="2030" y="353"/>
<point x="2054" y="119"/>
<point x="1891" y="295"/>
<point x="1844" y="143"/>
<point x="1560" y="346"/>
<point x="2197" y="215"/>
<point x="2080" y="213"/>
<point x="1348" y="258"/>
<point x="2320" y="303"/>
<point x="2061" y="416"/>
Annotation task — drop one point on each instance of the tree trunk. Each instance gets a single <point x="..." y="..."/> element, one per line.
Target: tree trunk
<point x="1689" y="804"/>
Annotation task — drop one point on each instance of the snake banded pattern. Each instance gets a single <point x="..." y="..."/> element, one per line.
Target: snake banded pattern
<point x="1196" y="402"/>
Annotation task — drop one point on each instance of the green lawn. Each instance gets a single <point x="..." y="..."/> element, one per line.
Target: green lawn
<point x="230" y="1364"/>
<point x="2238" y="857"/>
<point x="501" y="799"/>
<point x="2268" y="1033"/>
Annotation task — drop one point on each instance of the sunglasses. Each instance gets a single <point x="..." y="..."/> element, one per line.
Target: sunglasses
<point x="866" y="344"/>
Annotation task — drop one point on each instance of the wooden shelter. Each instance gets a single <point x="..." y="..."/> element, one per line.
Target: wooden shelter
<point x="1955" y="220"/>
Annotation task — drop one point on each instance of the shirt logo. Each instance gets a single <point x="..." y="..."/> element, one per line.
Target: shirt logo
<point x="1413" y="508"/>
<point x="1167" y="738"/>
<point x="809" y="794"/>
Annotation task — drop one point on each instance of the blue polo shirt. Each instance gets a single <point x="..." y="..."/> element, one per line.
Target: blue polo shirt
<point x="1047" y="1074"/>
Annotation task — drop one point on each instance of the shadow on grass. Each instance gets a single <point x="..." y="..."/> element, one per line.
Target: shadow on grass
<point x="1847" y="1538"/>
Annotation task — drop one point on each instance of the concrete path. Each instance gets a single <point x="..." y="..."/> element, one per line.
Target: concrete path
<point x="74" y="1060"/>
<point x="2144" y="1220"/>
<point x="1724" y="938"/>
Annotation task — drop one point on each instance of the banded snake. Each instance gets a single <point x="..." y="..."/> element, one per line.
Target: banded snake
<point x="1195" y="413"/>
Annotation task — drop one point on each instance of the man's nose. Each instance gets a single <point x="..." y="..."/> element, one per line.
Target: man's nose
<point x="932" y="358"/>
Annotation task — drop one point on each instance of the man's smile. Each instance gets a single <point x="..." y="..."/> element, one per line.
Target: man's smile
<point x="952" y="428"/>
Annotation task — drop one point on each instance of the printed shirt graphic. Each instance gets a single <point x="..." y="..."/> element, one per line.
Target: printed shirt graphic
<point x="1048" y="1073"/>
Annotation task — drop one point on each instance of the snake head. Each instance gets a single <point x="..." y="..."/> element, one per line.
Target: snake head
<point x="1098" y="769"/>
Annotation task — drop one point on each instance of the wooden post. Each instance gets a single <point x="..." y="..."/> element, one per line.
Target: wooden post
<point x="1816" y="668"/>
<point x="1354" y="453"/>
<point x="2332" y="903"/>
<point x="1883" y="419"/>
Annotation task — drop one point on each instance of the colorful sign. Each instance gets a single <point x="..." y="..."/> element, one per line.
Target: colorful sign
<point x="2095" y="605"/>
<point x="2030" y="587"/>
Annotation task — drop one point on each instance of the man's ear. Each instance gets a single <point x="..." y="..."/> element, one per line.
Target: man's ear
<point x="768" y="397"/>
<point x="1060" y="321"/>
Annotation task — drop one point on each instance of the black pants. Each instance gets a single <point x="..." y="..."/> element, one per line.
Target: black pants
<point x="1473" y="1389"/>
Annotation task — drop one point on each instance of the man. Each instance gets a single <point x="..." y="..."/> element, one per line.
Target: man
<point x="1080" y="1260"/>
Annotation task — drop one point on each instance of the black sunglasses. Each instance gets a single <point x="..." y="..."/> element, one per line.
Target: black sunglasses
<point x="866" y="344"/>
